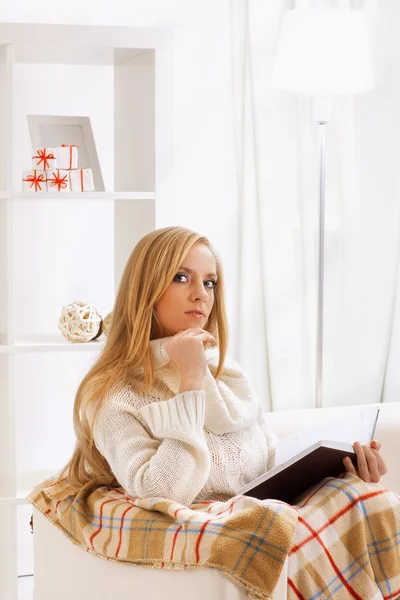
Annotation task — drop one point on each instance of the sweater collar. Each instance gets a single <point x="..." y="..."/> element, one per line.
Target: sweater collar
<point x="159" y="353"/>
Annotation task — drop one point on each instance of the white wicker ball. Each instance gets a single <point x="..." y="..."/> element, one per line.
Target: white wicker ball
<point x="80" y="322"/>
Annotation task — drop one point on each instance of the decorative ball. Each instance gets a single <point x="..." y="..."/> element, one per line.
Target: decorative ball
<point x="106" y="323"/>
<point x="100" y="330"/>
<point x="80" y="322"/>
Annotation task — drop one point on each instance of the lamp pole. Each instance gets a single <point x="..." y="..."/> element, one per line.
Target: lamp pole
<point x="322" y="113"/>
<point x="320" y="310"/>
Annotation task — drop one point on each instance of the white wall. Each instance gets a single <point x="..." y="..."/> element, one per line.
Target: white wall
<point x="204" y="198"/>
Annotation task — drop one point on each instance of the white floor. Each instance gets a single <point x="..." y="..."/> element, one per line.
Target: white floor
<point x="25" y="588"/>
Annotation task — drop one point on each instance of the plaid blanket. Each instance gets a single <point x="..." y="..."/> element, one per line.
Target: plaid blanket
<point x="341" y="539"/>
<point x="346" y="543"/>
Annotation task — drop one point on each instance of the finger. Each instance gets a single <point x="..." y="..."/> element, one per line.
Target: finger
<point x="372" y="464"/>
<point x="191" y="331"/>
<point x="205" y="336"/>
<point x="362" y="465"/>
<point x="382" y="466"/>
<point x="181" y="334"/>
<point x="196" y="331"/>
<point x="375" y="444"/>
<point x="211" y="340"/>
<point x="381" y="463"/>
<point x="348" y="463"/>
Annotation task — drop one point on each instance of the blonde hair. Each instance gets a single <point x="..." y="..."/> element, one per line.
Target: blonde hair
<point x="149" y="271"/>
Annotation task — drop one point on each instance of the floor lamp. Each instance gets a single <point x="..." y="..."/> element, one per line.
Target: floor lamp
<point x="323" y="53"/>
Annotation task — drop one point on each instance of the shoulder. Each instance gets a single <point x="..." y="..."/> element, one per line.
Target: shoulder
<point x="130" y="397"/>
<point x="121" y="395"/>
<point x="118" y="399"/>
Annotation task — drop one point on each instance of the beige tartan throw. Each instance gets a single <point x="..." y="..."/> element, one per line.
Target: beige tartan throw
<point x="341" y="538"/>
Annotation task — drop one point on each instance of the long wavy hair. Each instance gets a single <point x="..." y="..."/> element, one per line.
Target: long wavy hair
<point x="149" y="271"/>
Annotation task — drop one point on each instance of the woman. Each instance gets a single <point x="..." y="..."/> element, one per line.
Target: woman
<point x="164" y="420"/>
<point x="166" y="399"/>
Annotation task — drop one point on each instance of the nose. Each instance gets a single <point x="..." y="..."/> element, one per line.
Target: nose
<point x="198" y="292"/>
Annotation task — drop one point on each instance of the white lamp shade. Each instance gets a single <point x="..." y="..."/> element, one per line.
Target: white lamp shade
<point x="323" y="52"/>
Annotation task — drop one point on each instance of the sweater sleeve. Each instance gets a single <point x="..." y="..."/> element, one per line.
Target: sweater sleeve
<point x="172" y="462"/>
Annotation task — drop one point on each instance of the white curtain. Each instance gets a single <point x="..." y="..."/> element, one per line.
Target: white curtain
<point x="277" y="173"/>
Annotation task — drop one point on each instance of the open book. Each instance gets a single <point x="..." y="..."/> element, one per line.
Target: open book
<point x="304" y="459"/>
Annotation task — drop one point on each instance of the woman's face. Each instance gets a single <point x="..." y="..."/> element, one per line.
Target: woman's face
<point x="188" y="300"/>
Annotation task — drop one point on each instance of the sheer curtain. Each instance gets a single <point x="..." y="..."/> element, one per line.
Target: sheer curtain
<point x="277" y="175"/>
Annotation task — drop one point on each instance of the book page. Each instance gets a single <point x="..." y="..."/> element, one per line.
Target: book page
<point x="357" y="426"/>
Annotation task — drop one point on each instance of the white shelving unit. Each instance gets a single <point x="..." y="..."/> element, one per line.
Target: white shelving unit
<point x="58" y="248"/>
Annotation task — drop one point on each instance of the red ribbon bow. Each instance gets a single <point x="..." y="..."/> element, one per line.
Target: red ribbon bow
<point x="43" y="157"/>
<point x="57" y="180"/>
<point x="35" y="180"/>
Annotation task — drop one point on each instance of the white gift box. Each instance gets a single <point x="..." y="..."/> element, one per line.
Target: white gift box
<point x="81" y="180"/>
<point x="43" y="159"/>
<point x="34" y="181"/>
<point x="58" y="181"/>
<point x="67" y="157"/>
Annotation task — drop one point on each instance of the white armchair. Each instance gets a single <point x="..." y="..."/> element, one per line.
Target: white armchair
<point x="62" y="567"/>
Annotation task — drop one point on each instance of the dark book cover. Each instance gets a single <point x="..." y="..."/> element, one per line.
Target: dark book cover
<point x="288" y="480"/>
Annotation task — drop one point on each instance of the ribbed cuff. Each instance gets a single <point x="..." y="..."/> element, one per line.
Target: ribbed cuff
<point x="177" y="417"/>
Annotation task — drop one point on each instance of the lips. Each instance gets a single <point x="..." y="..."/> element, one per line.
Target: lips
<point x="195" y="313"/>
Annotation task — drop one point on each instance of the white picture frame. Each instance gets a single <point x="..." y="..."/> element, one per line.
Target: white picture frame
<point x="50" y="131"/>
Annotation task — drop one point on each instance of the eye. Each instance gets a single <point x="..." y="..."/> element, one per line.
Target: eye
<point x="213" y="283"/>
<point x="178" y="276"/>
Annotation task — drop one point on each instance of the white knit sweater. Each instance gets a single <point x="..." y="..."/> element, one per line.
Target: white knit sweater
<point x="194" y="446"/>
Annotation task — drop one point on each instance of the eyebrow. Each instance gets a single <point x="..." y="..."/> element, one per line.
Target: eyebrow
<point x="191" y="272"/>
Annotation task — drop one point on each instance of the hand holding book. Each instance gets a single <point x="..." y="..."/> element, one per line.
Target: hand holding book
<point x="370" y="464"/>
<point x="304" y="459"/>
